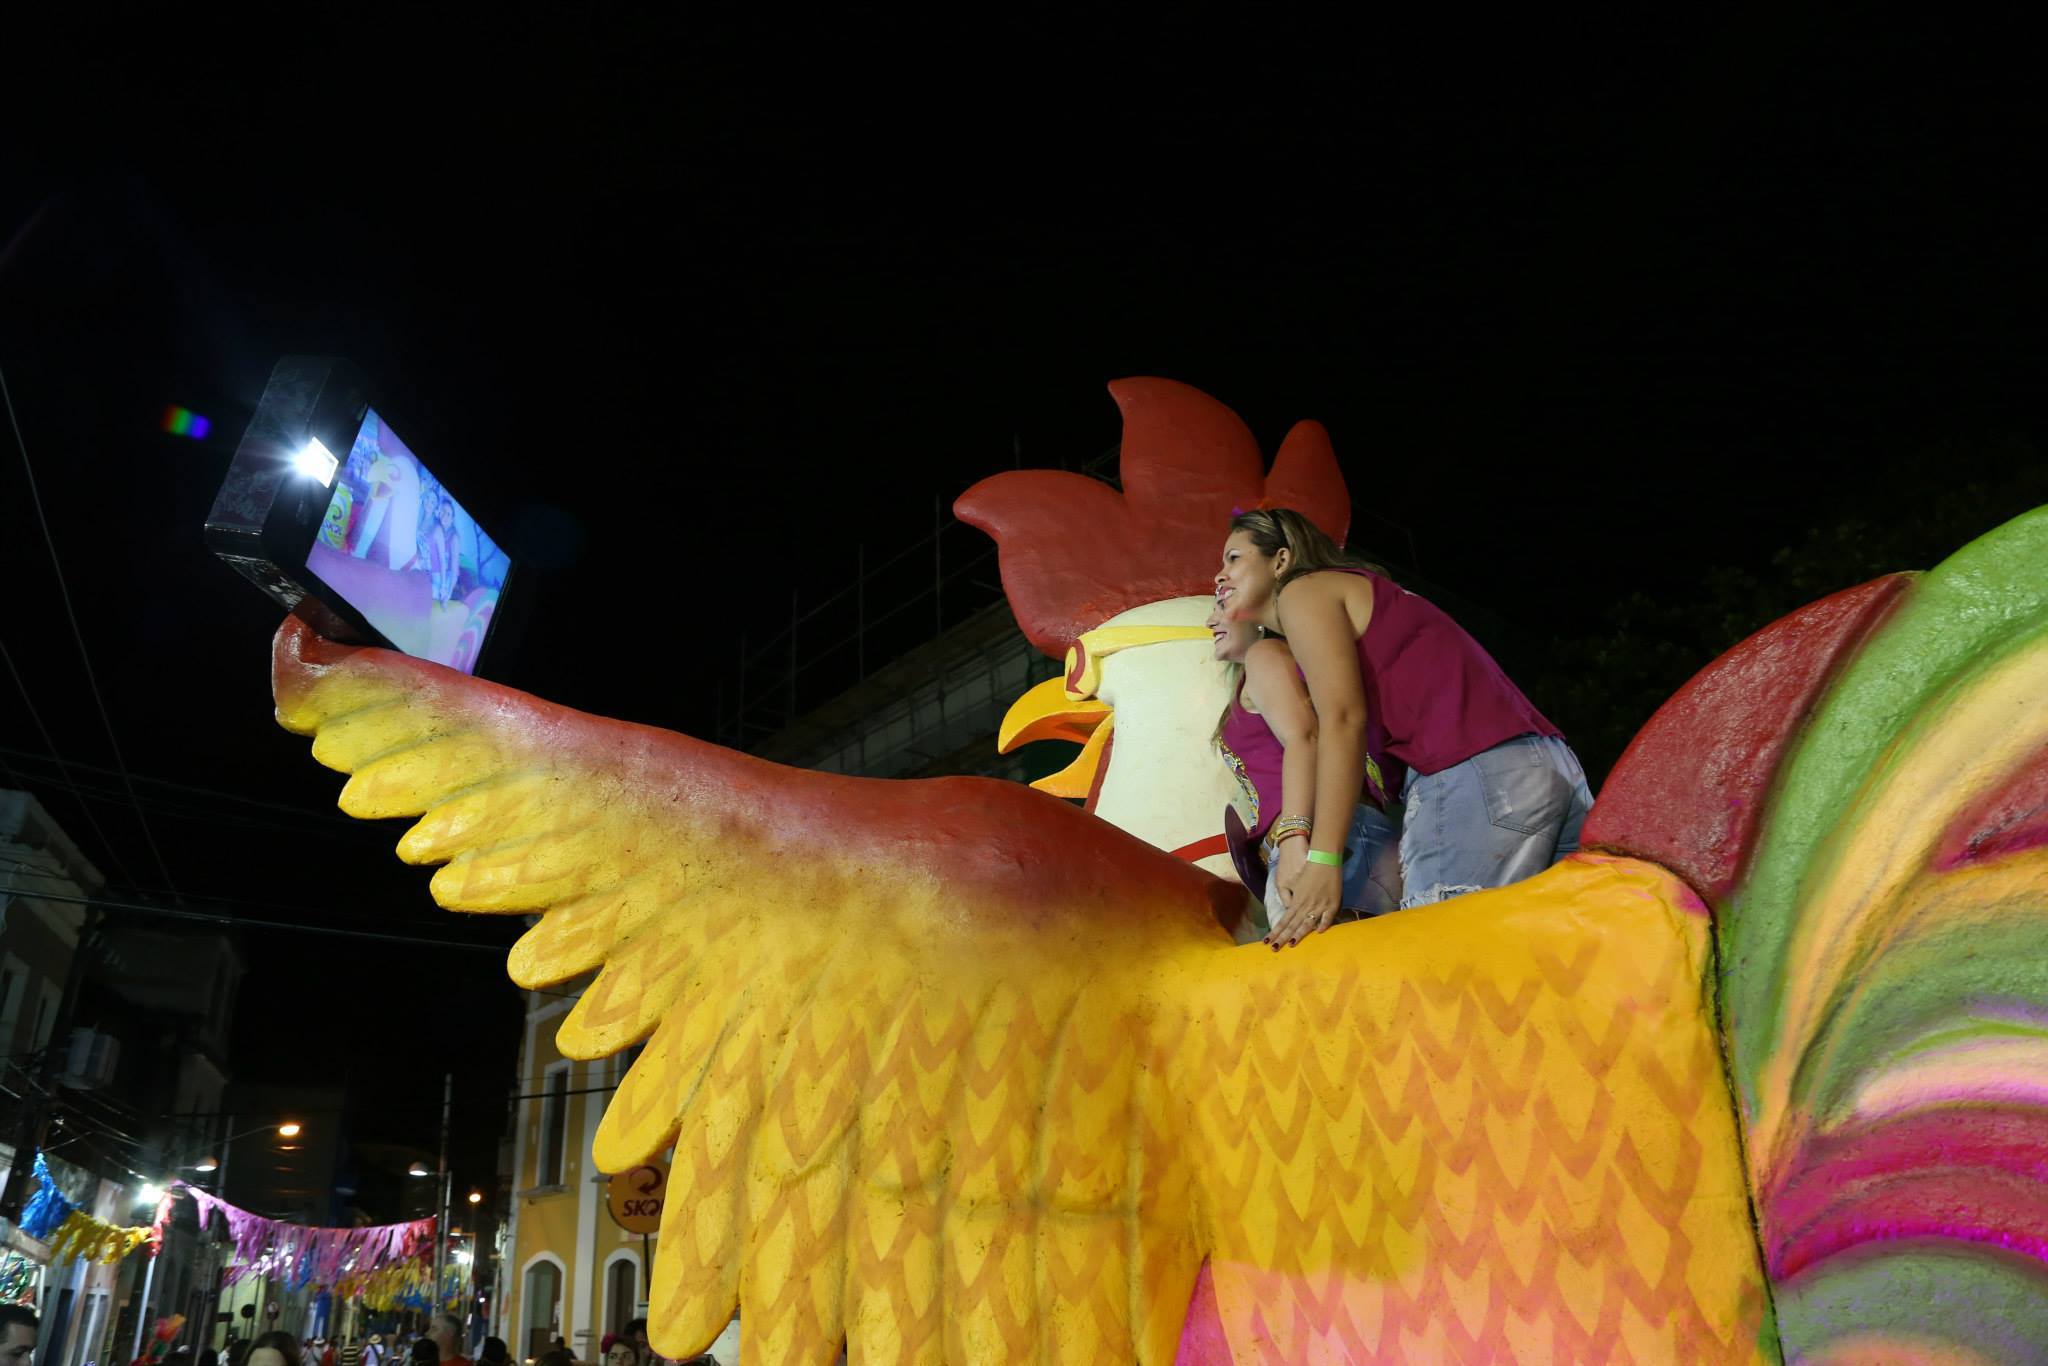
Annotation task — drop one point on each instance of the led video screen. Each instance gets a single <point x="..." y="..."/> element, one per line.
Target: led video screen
<point x="401" y="551"/>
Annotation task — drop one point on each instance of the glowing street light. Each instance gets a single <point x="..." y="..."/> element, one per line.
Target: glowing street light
<point x="418" y="1168"/>
<point x="476" y="1197"/>
<point x="290" y="1128"/>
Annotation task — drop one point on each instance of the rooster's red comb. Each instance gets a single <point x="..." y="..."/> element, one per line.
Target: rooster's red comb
<point x="1075" y="552"/>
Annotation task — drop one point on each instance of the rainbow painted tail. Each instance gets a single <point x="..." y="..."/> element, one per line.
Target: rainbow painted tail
<point x="1861" y="793"/>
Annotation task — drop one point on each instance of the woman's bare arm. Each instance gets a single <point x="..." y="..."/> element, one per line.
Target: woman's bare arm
<point x="1318" y="621"/>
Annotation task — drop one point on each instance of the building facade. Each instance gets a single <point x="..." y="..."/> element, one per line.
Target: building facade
<point x="566" y="1270"/>
<point x="112" y="1064"/>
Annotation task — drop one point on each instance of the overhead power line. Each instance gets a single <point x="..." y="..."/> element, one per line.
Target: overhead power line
<point x="28" y="704"/>
<point x="331" y="815"/>
<point x="257" y="923"/>
<point x="77" y="635"/>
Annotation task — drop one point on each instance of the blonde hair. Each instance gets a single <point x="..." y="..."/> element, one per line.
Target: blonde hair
<point x="1235" y="673"/>
<point x="1275" y="529"/>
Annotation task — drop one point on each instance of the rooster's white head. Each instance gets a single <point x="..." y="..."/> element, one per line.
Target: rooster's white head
<point x="1118" y="584"/>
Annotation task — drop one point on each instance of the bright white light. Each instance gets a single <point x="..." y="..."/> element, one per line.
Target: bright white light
<point x="151" y="1194"/>
<point x="206" y="1164"/>
<point x="463" y="1257"/>
<point x="418" y="1169"/>
<point x="291" y="1128"/>
<point x="316" y="462"/>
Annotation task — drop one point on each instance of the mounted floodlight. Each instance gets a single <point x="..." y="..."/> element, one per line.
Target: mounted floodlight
<point x="206" y="1164"/>
<point x="291" y="1128"/>
<point x="335" y="516"/>
<point x="315" y="461"/>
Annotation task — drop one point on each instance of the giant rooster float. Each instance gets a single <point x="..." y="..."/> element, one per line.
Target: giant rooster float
<point x="957" y="1072"/>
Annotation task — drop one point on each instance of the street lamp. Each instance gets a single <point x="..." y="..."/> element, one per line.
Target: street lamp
<point x="418" y="1168"/>
<point x="476" y="1197"/>
<point x="291" y="1128"/>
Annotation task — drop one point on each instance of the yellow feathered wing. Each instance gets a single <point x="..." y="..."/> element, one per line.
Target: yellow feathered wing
<point x="897" y="1032"/>
<point x="954" y="1072"/>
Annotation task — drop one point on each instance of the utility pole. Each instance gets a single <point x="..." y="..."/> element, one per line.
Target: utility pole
<point x="441" y="1223"/>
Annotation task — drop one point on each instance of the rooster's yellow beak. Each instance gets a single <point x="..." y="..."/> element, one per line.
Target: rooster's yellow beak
<point x="1047" y="713"/>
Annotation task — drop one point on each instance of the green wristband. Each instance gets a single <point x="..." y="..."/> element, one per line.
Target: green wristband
<point x="1327" y="859"/>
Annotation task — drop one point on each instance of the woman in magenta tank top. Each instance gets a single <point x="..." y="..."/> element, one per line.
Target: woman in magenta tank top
<point x="1492" y="793"/>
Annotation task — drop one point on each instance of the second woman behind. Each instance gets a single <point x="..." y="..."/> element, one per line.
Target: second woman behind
<point x="1267" y="737"/>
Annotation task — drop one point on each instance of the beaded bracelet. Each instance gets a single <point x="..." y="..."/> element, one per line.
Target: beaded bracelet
<point x="1282" y="829"/>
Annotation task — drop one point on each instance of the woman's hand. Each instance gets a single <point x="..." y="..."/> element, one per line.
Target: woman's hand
<point x="1311" y="897"/>
<point x="1287" y="865"/>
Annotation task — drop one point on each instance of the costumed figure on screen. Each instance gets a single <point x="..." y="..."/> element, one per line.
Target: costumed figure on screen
<point x="953" y="1071"/>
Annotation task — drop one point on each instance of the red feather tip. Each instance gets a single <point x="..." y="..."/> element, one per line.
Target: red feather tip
<point x="1076" y="552"/>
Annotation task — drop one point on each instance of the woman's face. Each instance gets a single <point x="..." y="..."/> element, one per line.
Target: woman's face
<point x="1244" y="585"/>
<point x="622" y="1354"/>
<point x="265" y="1356"/>
<point x="1232" y="637"/>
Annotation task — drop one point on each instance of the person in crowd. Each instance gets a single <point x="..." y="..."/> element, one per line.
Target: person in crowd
<point x="18" y="1330"/>
<point x="373" y="1353"/>
<point x="494" y="1353"/>
<point x="446" y="1331"/>
<point x="1267" y="737"/>
<point x="555" y="1356"/>
<point x="635" y="1332"/>
<point x="1492" y="795"/>
<point x="208" y="1357"/>
<point x="423" y="1352"/>
<point x="620" y="1351"/>
<point x="274" y="1348"/>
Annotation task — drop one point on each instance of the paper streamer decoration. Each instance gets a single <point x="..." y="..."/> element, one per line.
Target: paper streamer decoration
<point x="301" y="1255"/>
<point x="404" y="1285"/>
<point x="17" y="1280"/>
<point x="96" y="1240"/>
<point x="52" y="1217"/>
<point x="47" y="1208"/>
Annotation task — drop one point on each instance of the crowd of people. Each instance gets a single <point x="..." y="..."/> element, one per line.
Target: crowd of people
<point x="440" y="1345"/>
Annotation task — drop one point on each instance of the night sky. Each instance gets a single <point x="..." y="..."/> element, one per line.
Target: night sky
<point x="687" y="317"/>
